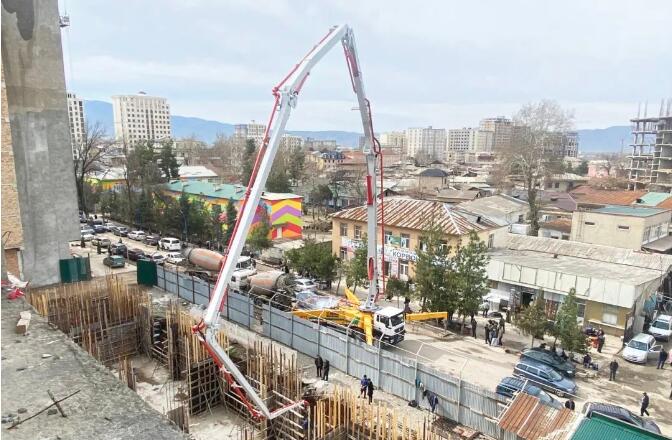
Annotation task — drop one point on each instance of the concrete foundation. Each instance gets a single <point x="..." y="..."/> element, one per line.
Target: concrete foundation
<point x="32" y="61"/>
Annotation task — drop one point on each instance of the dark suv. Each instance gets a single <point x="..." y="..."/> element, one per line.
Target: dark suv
<point x="512" y="385"/>
<point x="135" y="254"/>
<point x="118" y="249"/>
<point x="622" y="414"/>
<point x="151" y="240"/>
<point x="550" y="358"/>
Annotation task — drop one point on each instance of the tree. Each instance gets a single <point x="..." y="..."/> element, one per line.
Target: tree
<point x="249" y="157"/>
<point x="89" y="154"/>
<point x="434" y="277"/>
<point x="396" y="287"/>
<point x="533" y="154"/>
<point x="356" y="270"/>
<point x="167" y="161"/>
<point x="320" y="196"/>
<point x="231" y="216"/>
<point x="313" y="260"/>
<point x="278" y="181"/>
<point x="472" y="279"/>
<point x="582" y="168"/>
<point x="566" y="327"/>
<point x="259" y="239"/>
<point x="296" y="163"/>
<point x="532" y="320"/>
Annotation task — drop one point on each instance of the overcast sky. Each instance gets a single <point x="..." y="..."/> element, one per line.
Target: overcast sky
<point x="446" y="64"/>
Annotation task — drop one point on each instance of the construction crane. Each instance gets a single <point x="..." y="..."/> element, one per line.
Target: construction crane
<point x="286" y="94"/>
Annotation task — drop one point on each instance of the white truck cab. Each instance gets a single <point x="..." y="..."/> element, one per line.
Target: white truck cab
<point x="388" y="322"/>
<point x="661" y="327"/>
<point x="241" y="276"/>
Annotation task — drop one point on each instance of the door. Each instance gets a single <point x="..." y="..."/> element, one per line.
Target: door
<point x="278" y="232"/>
<point x="654" y="352"/>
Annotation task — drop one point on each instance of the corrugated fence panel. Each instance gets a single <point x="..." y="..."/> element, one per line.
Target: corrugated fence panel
<point x="238" y="308"/>
<point x="202" y="291"/>
<point x="397" y="375"/>
<point x="332" y="347"/>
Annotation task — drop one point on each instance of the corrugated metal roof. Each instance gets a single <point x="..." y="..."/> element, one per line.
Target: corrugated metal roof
<point x="221" y="191"/>
<point x="600" y="427"/>
<point x="529" y="419"/>
<point x="561" y="224"/>
<point x="654" y="198"/>
<point x="588" y="195"/>
<point x="632" y="211"/>
<point x="417" y="214"/>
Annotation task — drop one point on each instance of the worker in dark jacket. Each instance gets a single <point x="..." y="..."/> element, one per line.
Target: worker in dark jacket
<point x="319" y="363"/>
<point x="325" y="370"/>
<point x="473" y="327"/>
<point x="613" y="367"/>
<point x="645" y="405"/>
<point x="369" y="390"/>
<point x="662" y="357"/>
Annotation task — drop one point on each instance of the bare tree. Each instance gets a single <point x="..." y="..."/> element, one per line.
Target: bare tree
<point x="89" y="155"/>
<point x="535" y="152"/>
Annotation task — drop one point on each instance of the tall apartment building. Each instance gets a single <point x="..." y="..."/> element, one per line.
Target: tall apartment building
<point x="252" y="131"/>
<point x="463" y="140"/>
<point x="651" y="158"/>
<point x="429" y="141"/>
<point x="77" y="127"/>
<point x="502" y="129"/>
<point x="141" y="117"/>
<point x="291" y="141"/>
<point x="394" y="139"/>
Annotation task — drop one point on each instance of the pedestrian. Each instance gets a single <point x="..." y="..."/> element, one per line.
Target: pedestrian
<point x="473" y="327"/>
<point x="570" y="405"/>
<point x="363" y="385"/>
<point x="645" y="405"/>
<point x="433" y="401"/>
<point x="319" y="363"/>
<point x="487" y="334"/>
<point x="485" y="311"/>
<point x="613" y="367"/>
<point x="502" y="325"/>
<point x="587" y="360"/>
<point x="600" y="340"/>
<point x="325" y="370"/>
<point x="493" y="335"/>
<point x="369" y="390"/>
<point x="662" y="358"/>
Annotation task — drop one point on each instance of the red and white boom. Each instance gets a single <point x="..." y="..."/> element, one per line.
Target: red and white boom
<point x="286" y="94"/>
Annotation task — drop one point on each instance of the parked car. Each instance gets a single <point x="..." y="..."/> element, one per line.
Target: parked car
<point x="118" y="249"/>
<point x="511" y="385"/>
<point x="550" y="358"/>
<point x="157" y="258"/>
<point x="545" y="377"/>
<point x="108" y="226"/>
<point x="661" y="327"/>
<point x="495" y="314"/>
<point x="103" y="242"/>
<point x="304" y="284"/>
<point x="120" y="231"/>
<point x="137" y="235"/>
<point x="170" y="244"/>
<point x="619" y="413"/>
<point x="99" y="229"/>
<point x="641" y="348"/>
<point x="135" y="254"/>
<point x="114" y="261"/>
<point x="174" y="258"/>
<point x="151" y="240"/>
<point x="87" y="236"/>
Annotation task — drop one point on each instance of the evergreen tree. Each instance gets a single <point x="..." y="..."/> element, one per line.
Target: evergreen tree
<point x="532" y="320"/>
<point x="249" y="157"/>
<point x="582" y="168"/>
<point x="313" y="260"/>
<point x="472" y="279"/>
<point x="259" y="239"/>
<point x="167" y="161"/>
<point x="231" y="215"/>
<point x="356" y="270"/>
<point x="396" y="287"/>
<point x="566" y="327"/>
<point x="434" y="276"/>
<point x="278" y="181"/>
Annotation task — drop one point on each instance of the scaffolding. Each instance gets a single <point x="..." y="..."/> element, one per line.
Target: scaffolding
<point x="651" y="158"/>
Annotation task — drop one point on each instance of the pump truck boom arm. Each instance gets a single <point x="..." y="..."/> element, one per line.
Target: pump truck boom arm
<point x="286" y="94"/>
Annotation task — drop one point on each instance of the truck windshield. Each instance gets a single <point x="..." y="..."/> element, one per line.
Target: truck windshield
<point x="244" y="264"/>
<point x="661" y="324"/>
<point x="396" y="320"/>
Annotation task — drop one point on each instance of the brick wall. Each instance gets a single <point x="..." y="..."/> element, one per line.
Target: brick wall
<point x="12" y="232"/>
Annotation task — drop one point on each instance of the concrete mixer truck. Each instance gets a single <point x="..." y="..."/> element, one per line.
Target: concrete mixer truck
<point x="205" y="264"/>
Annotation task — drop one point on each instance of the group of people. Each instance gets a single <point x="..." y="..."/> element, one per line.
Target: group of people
<point x="494" y="331"/>
<point x="366" y="388"/>
<point x="322" y="367"/>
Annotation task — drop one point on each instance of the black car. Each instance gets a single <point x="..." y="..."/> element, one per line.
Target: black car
<point x="151" y="240"/>
<point x="512" y="385"/>
<point x="118" y="249"/>
<point x="620" y="413"/>
<point x="121" y="231"/>
<point x="135" y="254"/>
<point x="99" y="229"/>
<point x="550" y="358"/>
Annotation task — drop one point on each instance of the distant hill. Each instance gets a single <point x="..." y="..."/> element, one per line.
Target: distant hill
<point x="590" y="140"/>
<point x="604" y="139"/>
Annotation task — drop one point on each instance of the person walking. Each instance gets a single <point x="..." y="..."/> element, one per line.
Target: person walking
<point x="493" y="335"/>
<point x="613" y="367"/>
<point x="487" y="334"/>
<point x="600" y="340"/>
<point x="325" y="370"/>
<point x="645" y="405"/>
<point x="363" y="384"/>
<point x="319" y="363"/>
<point x="369" y="390"/>
<point x="433" y="401"/>
<point x="473" y="327"/>
<point x="485" y="311"/>
<point x="662" y="358"/>
<point x="570" y="404"/>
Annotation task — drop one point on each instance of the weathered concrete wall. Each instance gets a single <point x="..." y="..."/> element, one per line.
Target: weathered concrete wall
<point x="32" y="61"/>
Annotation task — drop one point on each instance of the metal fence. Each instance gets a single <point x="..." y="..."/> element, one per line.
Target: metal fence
<point x="404" y="376"/>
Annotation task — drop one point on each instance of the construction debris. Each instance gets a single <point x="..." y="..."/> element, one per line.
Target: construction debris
<point x="24" y="323"/>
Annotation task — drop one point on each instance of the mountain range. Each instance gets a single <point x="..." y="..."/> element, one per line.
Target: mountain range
<point x="590" y="140"/>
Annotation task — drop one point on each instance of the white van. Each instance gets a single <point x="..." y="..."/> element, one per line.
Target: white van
<point x="641" y="348"/>
<point x="170" y="244"/>
<point x="661" y="327"/>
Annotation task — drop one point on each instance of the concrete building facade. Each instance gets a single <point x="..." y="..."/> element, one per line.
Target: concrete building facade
<point x="140" y="118"/>
<point x="77" y="125"/>
<point x="628" y="227"/>
<point x="502" y="129"/>
<point x="394" y="139"/>
<point x="253" y="131"/>
<point x="651" y="158"/>
<point x="32" y="61"/>
<point x="427" y="141"/>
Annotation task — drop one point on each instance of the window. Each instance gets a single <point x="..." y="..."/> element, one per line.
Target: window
<point x="623" y="227"/>
<point x="388" y="237"/>
<point x="491" y="241"/>
<point x="609" y="314"/>
<point x="403" y="269"/>
<point x="647" y="233"/>
<point x="521" y="218"/>
<point x="386" y="268"/>
<point x="557" y="185"/>
<point x="422" y="244"/>
<point x="589" y="223"/>
<point x="343" y="253"/>
<point x="358" y="232"/>
<point x="405" y="241"/>
<point x="344" y="229"/>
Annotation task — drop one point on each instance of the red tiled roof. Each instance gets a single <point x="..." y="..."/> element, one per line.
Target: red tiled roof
<point x="561" y="224"/>
<point x="667" y="203"/>
<point x="587" y="195"/>
<point x="531" y="420"/>
<point x="417" y="214"/>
